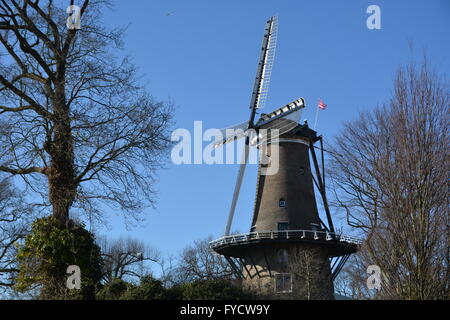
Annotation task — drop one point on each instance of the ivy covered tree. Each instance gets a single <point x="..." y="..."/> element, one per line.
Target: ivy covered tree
<point x="49" y="250"/>
<point x="79" y="128"/>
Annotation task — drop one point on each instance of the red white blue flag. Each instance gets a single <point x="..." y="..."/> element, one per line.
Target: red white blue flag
<point x="322" y="105"/>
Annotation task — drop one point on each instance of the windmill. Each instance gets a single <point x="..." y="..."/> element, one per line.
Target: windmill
<point x="285" y="219"/>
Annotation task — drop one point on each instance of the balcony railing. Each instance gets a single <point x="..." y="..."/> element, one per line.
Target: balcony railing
<point x="285" y="234"/>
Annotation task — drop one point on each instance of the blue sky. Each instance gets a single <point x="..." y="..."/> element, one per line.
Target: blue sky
<point x="202" y="55"/>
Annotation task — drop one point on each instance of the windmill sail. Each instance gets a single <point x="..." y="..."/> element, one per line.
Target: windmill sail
<point x="264" y="70"/>
<point x="237" y="187"/>
<point x="231" y="133"/>
<point x="269" y="57"/>
<point x="258" y="99"/>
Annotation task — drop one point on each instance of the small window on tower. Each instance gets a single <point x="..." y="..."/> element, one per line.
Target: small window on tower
<point x="283" y="256"/>
<point x="302" y="171"/>
<point x="283" y="282"/>
<point x="282" y="203"/>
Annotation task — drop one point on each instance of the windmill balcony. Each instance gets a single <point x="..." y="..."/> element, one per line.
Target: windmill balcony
<point x="340" y="243"/>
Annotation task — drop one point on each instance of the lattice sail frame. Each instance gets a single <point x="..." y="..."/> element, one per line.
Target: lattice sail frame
<point x="269" y="59"/>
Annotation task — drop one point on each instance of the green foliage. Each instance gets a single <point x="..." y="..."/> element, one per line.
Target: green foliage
<point x="152" y="289"/>
<point x="149" y="289"/>
<point x="115" y="290"/>
<point x="213" y="290"/>
<point x="48" y="250"/>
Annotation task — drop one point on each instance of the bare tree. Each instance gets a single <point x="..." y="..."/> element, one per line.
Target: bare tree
<point x="390" y="170"/>
<point x="81" y="127"/>
<point x="351" y="282"/>
<point x="168" y="271"/>
<point x="127" y="259"/>
<point x="14" y="224"/>
<point x="199" y="262"/>
<point x="311" y="274"/>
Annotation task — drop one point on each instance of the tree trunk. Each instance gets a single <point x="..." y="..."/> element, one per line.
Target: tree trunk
<point x="61" y="177"/>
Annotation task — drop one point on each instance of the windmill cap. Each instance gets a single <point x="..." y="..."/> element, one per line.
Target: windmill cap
<point x="284" y="110"/>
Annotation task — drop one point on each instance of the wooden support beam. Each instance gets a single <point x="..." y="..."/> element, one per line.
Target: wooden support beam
<point x="245" y="267"/>
<point x="254" y="266"/>
<point x="321" y="186"/>
<point x="323" y="162"/>
<point x="339" y="267"/>
<point x="234" y="267"/>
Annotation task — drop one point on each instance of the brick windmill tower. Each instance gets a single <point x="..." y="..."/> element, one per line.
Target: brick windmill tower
<point x="289" y="252"/>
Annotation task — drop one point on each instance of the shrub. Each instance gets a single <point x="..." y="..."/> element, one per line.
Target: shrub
<point x="213" y="290"/>
<point x="149" y="289"/>
<point x="115" y="290"/>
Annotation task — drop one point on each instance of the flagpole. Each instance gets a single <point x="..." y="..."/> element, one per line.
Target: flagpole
<point x="317" y="114"/>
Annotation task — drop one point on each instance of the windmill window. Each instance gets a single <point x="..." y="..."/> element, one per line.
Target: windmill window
<point x="282" y="203"/>
<point x="283" y="226"/>
<point x="283" y="282"/>
<point x="283" y="256"/>
<point x="302" y="171"/>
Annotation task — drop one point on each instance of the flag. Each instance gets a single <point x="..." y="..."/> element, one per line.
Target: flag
<point x="322" y="105"/>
